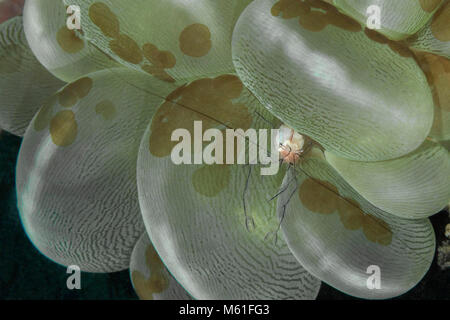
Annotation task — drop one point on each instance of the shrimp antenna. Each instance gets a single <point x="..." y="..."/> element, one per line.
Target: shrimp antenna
<point x="274" y="233"/>
<point x="249" y="222"/>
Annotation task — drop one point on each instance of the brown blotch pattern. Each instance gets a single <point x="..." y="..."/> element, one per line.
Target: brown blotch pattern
<point x="440" y="25"/>
<point x="377" y="230"/>
<point x="207" y="100"/>
<point x="158" y="73"/>
<point x="164" y="59"/>
<point x="158" y="280"/>
<point x="314" y="15"/>
<point x="210" y="180"/>
<point x="69" y="41"/>
<point x="106" y="109"/>
<point x="63" y="128"/>
<point x="323" y="197"/>
<point x="195" y="40"/>
<point x="317" y="198"/>
<point x="398" y="47"/>
<point x="75" y="91"/>
<point x="351" y="215"/>
<point x="160" y="60"/>
<point x="429" y="5"/>
<point x="437" y="71"/>
<point x="126" y="48"/>
<point x="105" y="19"/>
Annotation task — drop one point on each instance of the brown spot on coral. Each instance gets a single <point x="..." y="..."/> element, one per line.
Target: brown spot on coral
<point x="69" y="41"/>
<point x="195" y="40"/>
<point x="314" y="15"/>
<point x="164" y="59"/>
<point x="352" y="217"/>
<point x="440" y="26"/>
<point x="319" y="196"/>
<point x="324" y="198"/>
<point x="106" y="109"/>
<point x="437" y="71"/>
<point x="440" y="75"/>
<point x="160" y="60"/>
<point x="207" y="100"/>
<point x="397" y="46"/>
<point x="105" y="19"/>
<point x="429" y="5"/>
<point x="158" y="73"/>
<point x="63" y="128"/>
<point x="67" y="98"/>
<point x="314" y="21"/>
<point x="82" y="86"/>
<point x="228" y="86"/>
<point x="70" y="95"/>
<point x="158" y="280"/>
<point x="210" y="180"/>
<point x="290" y="9"/>
<point x="376" y="230"/>
<point x="126" y="48"/>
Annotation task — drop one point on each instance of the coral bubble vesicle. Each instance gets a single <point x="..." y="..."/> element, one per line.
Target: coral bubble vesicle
<point x="25" y="84"/>
<point x="336" y="235"/>
<point x="193" y="213"/>
<point x="232" y="149"/>
<point x="360" y="98"/>
<point x="398" y="19"/>
<point x="194" y="35"/>
<point x="63" y="51"/>
<point x="76" y="172"/>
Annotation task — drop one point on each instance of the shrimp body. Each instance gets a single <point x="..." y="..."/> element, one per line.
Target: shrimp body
<point x="291" y="145"/>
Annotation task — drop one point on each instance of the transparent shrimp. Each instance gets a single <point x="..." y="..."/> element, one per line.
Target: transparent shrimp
<point x="292" y="147"/>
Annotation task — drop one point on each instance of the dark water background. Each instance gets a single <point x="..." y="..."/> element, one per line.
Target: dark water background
<point x="26" y="274"/>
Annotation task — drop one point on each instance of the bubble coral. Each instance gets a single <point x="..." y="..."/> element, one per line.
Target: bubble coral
<point x="97" y="188"/>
